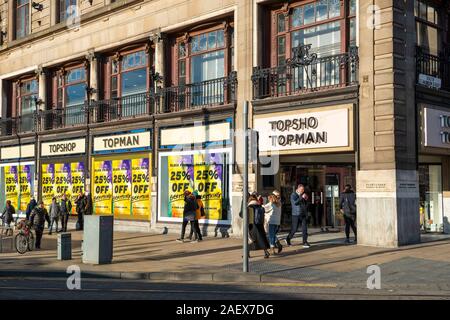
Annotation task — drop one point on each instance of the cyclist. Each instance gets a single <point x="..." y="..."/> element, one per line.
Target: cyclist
<point x="38" y="218"/>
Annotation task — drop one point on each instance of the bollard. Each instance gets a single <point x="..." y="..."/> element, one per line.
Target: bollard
<point x="98" y="239"/>
<point x="65" y="246"/>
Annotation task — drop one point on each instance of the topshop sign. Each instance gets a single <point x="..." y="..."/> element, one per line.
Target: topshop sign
<point x="305" y="129"/>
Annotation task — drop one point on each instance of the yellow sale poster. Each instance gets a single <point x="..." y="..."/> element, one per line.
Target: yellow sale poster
<point x="76" y="179"/>
<point x="103" y="188"/>
<point x="12" y="185"/>
<point x="181" y="178"/>
<point x="25" y="177"/>
<point x="122" y="187"/>
<point x="140" y="199"/>
<point x="208" y="183"/>
<point x="62" y="180"/>
<point x="48" y="181"/>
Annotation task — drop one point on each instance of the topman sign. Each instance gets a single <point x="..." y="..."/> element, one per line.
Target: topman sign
<point x="436" y="124"/>
<point x="122" y="142"/>
<point x="305" y="129"/>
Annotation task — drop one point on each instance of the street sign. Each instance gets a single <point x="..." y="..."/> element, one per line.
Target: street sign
<point x="430" y="82"/>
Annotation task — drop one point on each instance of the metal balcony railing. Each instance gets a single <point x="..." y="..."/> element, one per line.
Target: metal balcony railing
<point x="306" y="72"/>
<point x="20" y="124"/>
<point x="437" y="67"/>
<point x="122" y="108"/>
<point x="63" y="117"/>
<point x="214" y="92"/>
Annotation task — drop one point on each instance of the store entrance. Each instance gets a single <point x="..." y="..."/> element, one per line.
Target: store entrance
<point x="323" y="184"/>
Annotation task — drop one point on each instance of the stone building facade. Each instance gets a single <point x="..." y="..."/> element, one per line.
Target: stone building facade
<point x="137" y="100"/>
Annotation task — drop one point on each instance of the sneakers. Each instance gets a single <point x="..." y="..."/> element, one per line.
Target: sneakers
<point x="194" y="241"/>
<point x="306" y="245"/>
<point x="347" y="241"/>
<point x="180" y="240"/>
<point x="288" y="242"/>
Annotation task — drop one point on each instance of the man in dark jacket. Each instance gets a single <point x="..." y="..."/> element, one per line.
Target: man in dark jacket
<point x="299" y="203"/>
<point x="31" y="205"/>
<point x="81" y="210"/>
<point x="347" y="204"/>
<point x="8" y="214"/>
<point x="66" y="209"/>
<point x="88" y="207"/>
<point x="190" y="207"/>
<point x="38" y="218"/>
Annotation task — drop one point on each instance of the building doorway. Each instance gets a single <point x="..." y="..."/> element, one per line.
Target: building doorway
<point x="431" y="201"/>
<point x="323" y="184"/>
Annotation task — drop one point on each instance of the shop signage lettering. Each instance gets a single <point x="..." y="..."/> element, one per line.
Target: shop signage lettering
<point x="123" y="142"/>
<point x="436" y="128"/>
<point x="63" y="147"/>
<point x="312" y="129"/>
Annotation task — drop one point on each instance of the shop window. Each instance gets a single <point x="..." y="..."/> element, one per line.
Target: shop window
<point x="26" y="98"/>
<point x="431" y="202"/>
<point x="17" y="182"/>
<point x="22" y="18"/>
<point x="428" y="31"/>
<point x="207" y="172"/>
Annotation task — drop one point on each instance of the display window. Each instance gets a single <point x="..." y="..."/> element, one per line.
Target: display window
<point x="204" y="171"/>
<point x="17" y="181"/>
<point x="121" y="186"/>
<point x="62" y="178"/>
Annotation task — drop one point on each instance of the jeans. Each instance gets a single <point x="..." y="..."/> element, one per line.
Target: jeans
<point x="183" y="227"/>
<point x="196" y="230"/>
<point x="296" y="221"/>
<point x="53" y="220"/>
<point x="64" y="221"/>
<point x="273" y="230"/>
<point x="80" y="220"/>
<point x="349" y="223"/>
<point x="39" y="233"/>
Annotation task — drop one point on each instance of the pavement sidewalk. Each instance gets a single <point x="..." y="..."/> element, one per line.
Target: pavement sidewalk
<point x="328" y="263"/>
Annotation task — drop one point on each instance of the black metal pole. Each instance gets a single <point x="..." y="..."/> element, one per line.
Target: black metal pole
<point x="245" y="192"/>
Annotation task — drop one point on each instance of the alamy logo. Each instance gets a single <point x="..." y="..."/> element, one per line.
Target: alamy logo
<point x="74" y="280"/>
<point x="374" y="280"/>
<point x="72" y="17"/>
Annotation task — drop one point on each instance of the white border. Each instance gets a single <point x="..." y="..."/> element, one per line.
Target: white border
<point x="228" y="150"/>
<point x="17" y="164"/>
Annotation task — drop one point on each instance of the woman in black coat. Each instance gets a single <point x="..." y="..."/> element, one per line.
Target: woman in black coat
<point x="256" y="227"/>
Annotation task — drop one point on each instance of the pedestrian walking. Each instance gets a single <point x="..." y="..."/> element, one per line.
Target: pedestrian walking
<point x="81" y="210"/>
<point x="256" y="226"/>
<point x="189" y="211"/>
<point x="347" y="205"/>
<point x="66" y="209"/>
<point x="8" y="215"/>
<point x="199" y="214"/>
<point x="273" y="211"/>
<point x="37" y="219"/>
<point x="299" y="203"/>
<point x="54" y="213"/>
<point x="88" y="206"/>
<point x="31" y="205"/>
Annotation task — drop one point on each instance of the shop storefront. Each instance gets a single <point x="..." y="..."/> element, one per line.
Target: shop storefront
<point x="315" y="148"/>
<point x="120" y="175"/>
<point x="196" y="158"/>
<point x="17" y="174"/>
<point x="434" y="160"/>
<point x="63" y="170"/>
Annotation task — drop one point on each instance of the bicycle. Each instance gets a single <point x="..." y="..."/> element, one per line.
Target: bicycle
<point x="24" y="240"/>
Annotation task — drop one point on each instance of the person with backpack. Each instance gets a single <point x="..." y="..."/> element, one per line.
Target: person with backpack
<point x="66" y="209"/>
<point x="31" y="205"/>
<point x="8" y="215"/>
<point x="189" y="212"/>
<point x="199" y="214"/>
<point x="347" y="204"/>
<point x="37" y="218"/>
<point x="257" y="233"/>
